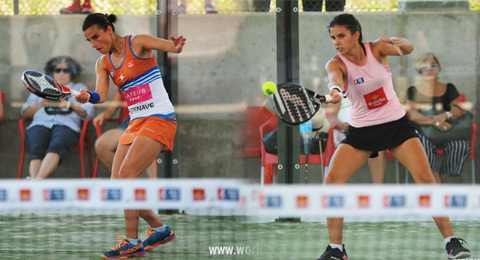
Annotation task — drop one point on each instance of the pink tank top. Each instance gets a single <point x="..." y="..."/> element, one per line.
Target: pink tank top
<point x="370" y="89"/>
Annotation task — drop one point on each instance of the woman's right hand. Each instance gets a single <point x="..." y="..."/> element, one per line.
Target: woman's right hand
<point x="336" y="96"/>
<point x="83" y="97"/>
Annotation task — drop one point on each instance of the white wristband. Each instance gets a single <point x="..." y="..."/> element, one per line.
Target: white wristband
<point x="68" y="105"/>
<point x="336" y="87"/>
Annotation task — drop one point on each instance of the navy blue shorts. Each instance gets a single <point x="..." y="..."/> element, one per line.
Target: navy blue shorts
<point x="124" y="124"/>
<point x="381" y="137"/>
<point x="41" y="140"/>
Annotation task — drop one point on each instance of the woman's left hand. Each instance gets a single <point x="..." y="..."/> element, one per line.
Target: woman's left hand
<point x="396" y="42"/>
<point x="178" y="43"/>
<point x="439" y="119"/>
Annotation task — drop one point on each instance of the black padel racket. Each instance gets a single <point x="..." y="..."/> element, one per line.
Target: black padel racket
<point x="295" y="104"/>
<point x="45" y="86"/>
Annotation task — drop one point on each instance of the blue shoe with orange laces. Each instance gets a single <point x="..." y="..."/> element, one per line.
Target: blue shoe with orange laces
<point x="125" y="249"/>
<point x="155" y="238"/>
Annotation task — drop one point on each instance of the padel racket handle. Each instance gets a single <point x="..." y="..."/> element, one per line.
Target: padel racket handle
<point x="328" y="98"/>
<point x="74" y="92"/>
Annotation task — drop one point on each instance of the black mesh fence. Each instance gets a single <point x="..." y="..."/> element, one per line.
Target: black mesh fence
<point x="52" y="7"/>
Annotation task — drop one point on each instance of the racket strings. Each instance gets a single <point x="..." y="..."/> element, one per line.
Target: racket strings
<point x="45" y="85"/>
<point x="296" y="103"/>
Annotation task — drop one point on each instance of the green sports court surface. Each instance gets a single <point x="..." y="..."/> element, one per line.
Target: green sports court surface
<point x="63" y="236"/>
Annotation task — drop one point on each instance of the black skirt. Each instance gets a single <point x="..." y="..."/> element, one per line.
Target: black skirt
<point x="381" y="137"/>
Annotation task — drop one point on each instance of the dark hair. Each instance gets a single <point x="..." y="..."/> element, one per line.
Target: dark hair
<point x="73" y="65"/>
<point x="350" y="22"/>
<point x="101" y="20"/>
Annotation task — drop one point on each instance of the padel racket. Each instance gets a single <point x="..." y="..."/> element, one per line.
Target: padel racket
<point x="45" y="86"/>
<point x="295" y="104"/>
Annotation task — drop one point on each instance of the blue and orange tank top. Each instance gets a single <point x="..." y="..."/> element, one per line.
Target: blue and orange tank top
<point x="141" y="83"/>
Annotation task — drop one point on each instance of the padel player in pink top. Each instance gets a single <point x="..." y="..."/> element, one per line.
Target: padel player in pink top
<point x="378" y="121"/>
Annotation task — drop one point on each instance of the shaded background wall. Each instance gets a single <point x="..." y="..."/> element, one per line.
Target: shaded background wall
<point x="224" y="64"/>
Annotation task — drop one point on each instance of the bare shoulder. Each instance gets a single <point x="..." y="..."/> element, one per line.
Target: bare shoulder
<point x="140" y="39"/>
<point x="101" y="62"/>
<point x="335" y="63"/>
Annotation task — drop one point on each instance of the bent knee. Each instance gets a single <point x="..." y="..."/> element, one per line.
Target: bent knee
<point x="424" y="177"/>
<point x="126" y="172"/>
<point x="333" y="178"/>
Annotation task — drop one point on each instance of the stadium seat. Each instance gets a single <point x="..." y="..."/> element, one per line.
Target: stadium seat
<point x="84" y="142"/>
<point x="254" y="118"/>
<point x="270" y="161"/>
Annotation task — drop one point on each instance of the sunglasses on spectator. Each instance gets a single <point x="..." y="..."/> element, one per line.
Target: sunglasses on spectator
<point x="65" y="70"/>
<point x="429" y="66"/>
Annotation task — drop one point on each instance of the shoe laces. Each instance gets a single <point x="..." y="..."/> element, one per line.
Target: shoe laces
<point x="458" y="241"/>
<point x="122" y="243"/>
<point x="149" y="232"/>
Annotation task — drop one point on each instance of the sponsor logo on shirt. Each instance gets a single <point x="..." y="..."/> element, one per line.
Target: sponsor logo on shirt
<point x="358" y="81"/>
<point x="140" y="108"/>
<point x="376" y="99"/>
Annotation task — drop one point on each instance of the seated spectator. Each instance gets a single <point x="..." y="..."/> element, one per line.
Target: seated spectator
<point x="56" y="125"/>
<point x="106" y="144"/>
<point x="77" y="8"/>
<point x="340" y="113"/>
<point x="209" y="8"/>
<point x="433" y="93"/>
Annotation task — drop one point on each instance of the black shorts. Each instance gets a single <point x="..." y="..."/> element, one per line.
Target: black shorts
<point x="381" y="137"/>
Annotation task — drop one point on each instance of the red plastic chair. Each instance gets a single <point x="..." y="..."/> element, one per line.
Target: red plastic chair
<point x="270" y="161"/>
<point x="254" y="118"/>
<point x="84" y="142"/>
<point x="3" y="101"/>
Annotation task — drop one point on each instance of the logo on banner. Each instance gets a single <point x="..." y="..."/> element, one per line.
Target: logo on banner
<point x="25" y="195"/>
<point x="332" y="201"/>
<point x="140" y="195"/>
<point x="302" y="202"/>
<point x="273" y="202"/>
<point x="358" y="81"/>
<point x="455" y="201"/>
<point x="3" y="195"/>
<point x="53" y="195"/>
<point x="82" y="194"/>
<point x="111" y="194"/>
<point x="364" y="201"/>
<point x="198" y="194"/>
<point x="394" y="201"/>
<point x="424" y="201"/>
<point x="228" y="194"/>
<point x="169" y="194"/>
